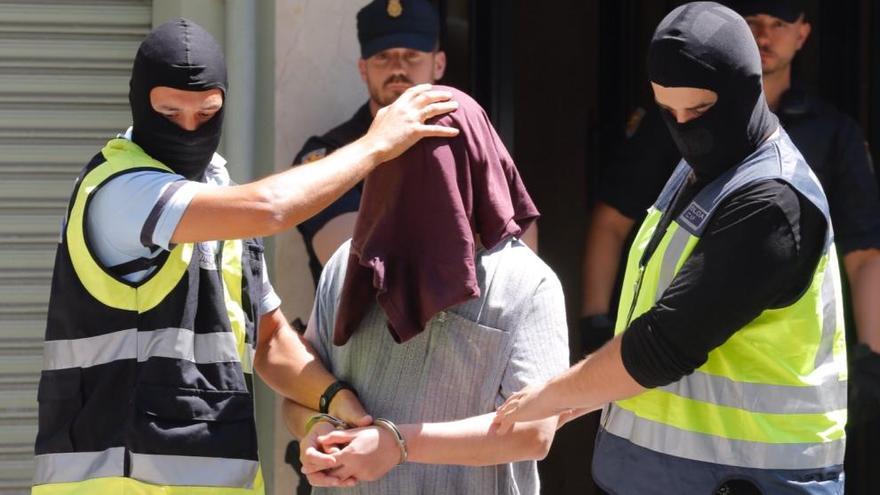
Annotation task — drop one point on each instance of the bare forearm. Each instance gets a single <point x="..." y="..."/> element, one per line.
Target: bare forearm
<point x="285" y="199"/>
<point x="288" y="364"/>
<point x="278" y="202"/>
<point x="474" y="442"/>
<point x="863" y="269"/>
<point x="602" y="250"/>
<point x="303" y="191"/>
<point x="595" y="381"/>
<point x="295" y="417"/>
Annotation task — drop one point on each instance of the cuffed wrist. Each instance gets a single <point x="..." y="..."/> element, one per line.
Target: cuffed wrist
<point x="325" y="418"/>
<point x="389" y="426"/>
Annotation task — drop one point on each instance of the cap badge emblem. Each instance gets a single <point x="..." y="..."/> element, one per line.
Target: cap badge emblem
<point x="395" y="9"/>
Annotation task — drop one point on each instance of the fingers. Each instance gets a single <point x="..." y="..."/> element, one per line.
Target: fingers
<point x="328" y="480"/>
<point x="414" y="91"/>
<point x="365" y="420"/>
<point x="437" y="131"/>
<point x="314" y="460"/>
<point x="349" y="482"/>
<point x="505" y="416"/>
<point x="510" y="404"/>
<point x="436" y="109"/>
<point x="503" y="424"/>
<point x="429" y="103"/>
<point x="338" y="437"/>
<point x="432" y="97"/>
<point x="345" y="472"/>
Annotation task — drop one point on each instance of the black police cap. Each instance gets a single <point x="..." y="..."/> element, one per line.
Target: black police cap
<point x="385" y="24"/>
<point x="787" y="10"/>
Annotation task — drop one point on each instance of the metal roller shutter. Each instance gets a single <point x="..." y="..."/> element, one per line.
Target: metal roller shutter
<point x="64" y="68"/>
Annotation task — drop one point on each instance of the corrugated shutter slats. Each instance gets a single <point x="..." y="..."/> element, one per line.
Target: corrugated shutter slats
<point x="64" y="69"/>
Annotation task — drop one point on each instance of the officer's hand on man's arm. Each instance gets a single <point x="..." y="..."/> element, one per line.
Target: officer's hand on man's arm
<point x="282" y="200"/>
<point x="595" y="381"/>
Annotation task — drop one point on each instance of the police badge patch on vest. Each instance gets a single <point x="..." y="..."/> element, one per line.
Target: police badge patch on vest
<point x="694" y="215"/>
<point x="314" y="155"/>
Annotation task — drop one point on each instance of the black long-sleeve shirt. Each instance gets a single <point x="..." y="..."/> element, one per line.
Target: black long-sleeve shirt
<point x="759" y="251"/>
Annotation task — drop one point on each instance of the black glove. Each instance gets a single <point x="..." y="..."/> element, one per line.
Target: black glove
<point x="595" y="331"/>
<point x="864" y="385"/>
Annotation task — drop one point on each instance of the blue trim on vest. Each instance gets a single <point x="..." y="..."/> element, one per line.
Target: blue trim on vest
<point x="679" y="175"/>
<point x="778" y="158"/>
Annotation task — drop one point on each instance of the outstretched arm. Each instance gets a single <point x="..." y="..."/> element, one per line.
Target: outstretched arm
<point x="596" y="380"/>
<point x="282" y="200"/>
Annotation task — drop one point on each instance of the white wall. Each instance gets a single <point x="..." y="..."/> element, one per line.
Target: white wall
<point x="317" y="87"/>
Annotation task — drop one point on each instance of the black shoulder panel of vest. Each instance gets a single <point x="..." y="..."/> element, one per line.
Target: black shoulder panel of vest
<point x="252" y="286"/>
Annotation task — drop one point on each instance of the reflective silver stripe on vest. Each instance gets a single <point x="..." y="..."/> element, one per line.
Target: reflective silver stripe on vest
<point x="760" y="397"/>
<point x="90" y="351"/>
<point x="828" y="395"/>
<point x="670" y="260"/>
<point x="825" y="353"/>
<point x="193" y="471"/>
<point x="247" y="366"/>
<point x="70" y="467"/>
<point x="180" y="343"/>
<point x="175" y="343"/>
<point x="698" y="446"/>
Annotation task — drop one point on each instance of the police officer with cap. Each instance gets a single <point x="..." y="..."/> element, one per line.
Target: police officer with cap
<point x="399" y="42"/>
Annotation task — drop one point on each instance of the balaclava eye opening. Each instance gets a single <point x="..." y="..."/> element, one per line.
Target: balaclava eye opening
<point x="706" y="45"/>
<point x="179" y="54"/>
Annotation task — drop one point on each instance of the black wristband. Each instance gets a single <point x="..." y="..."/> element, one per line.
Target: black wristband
<point x="595" y="331"/>
<point x="332" y="390"/>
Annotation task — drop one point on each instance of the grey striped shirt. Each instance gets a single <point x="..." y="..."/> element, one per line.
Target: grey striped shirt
<point x="466" y="363"/>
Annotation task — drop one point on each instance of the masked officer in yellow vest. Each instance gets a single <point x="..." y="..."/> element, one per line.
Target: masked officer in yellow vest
<point x="160" y="306"/>
<point x="728" y="370"/>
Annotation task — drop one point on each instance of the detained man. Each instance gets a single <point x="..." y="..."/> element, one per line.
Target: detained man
<point x="435" y="312"/>
<point x="728" y="370"/>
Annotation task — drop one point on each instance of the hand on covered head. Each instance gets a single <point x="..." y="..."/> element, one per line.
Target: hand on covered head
<point x="400" y="125"/>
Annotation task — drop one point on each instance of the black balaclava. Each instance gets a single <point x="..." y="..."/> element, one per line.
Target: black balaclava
<point x="179" y="54"/>
<point x="706" y="45"/>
